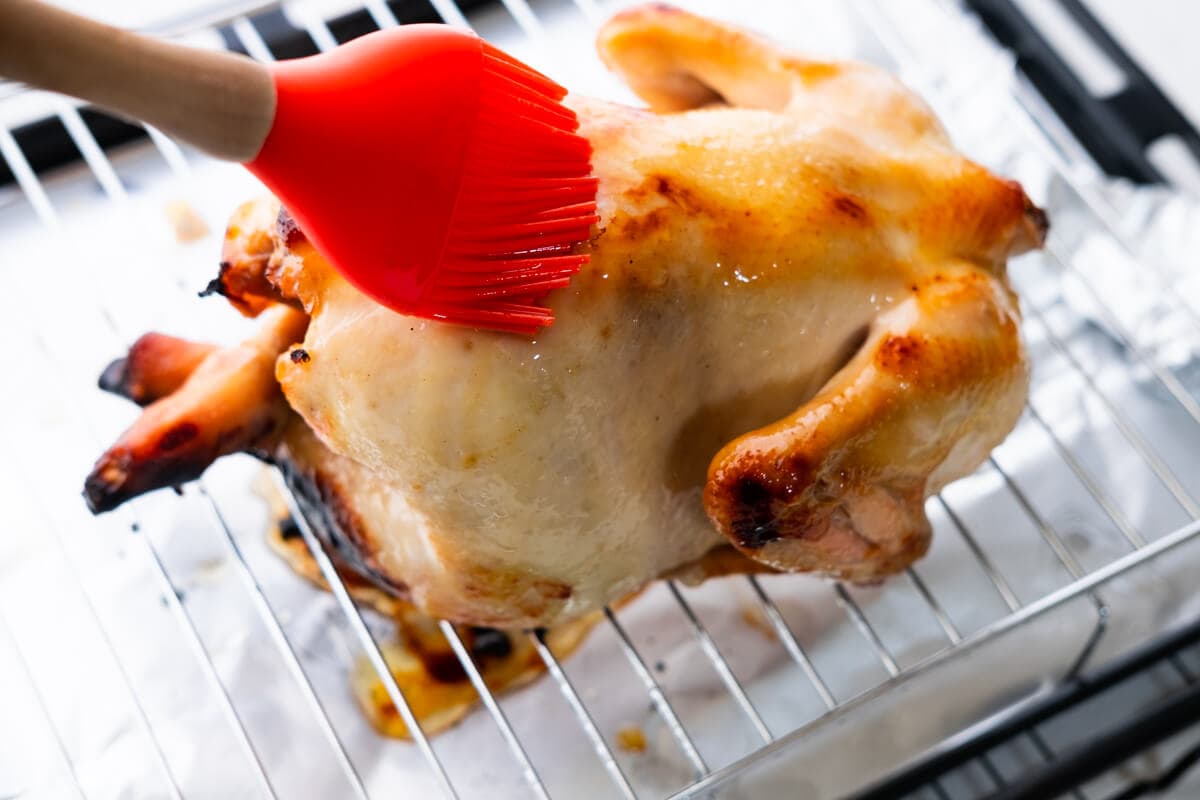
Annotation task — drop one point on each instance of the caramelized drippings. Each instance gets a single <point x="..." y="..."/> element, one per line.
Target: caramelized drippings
<point x="424" y="666"/>
<point x="631" y="739"/>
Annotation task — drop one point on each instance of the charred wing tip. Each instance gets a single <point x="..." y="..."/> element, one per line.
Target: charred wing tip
<point x="115" y="378"/>
<point x="102" y="495"/>
<point x="753" y="522"/>
<point x="287" y="230"/>
<point x="1037" y="223"/>
<point x="215" y="286"/>
<point x="108" y="485"/>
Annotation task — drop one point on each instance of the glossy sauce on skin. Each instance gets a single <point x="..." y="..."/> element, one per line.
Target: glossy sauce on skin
<point x="742" y="257"/>
<point x="794" y="326"/>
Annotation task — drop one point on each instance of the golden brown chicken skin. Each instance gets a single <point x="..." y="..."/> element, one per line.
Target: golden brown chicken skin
<point x="795" y="326"/>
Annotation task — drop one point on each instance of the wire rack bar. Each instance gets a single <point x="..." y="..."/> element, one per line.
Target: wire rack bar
<point x="939" y="613"/>
<point x="1027" y="111"/>
<point x="40" y="700"/>
<point x="1085" y="586"/>
<point x="489" y="701"/>
<point x="27" y="179"/>
<point x="906" y="59"/>
<point x="99" y="164"/>
<point x="661" y="704"/>
<point x="1048" y="534"/>
<point x="143" y="720"/>
<point x="1165" y="377"/>
<point x="1164" y="473"/>
<point x="864" y="627"/>
<point x="324" y="39"/>
<point x="208" y="668"/>
<point x="790" y="643"/>
<point x="1118" y="518"/>
<point x="591" y="11"/>
<point x="954" y="637"/>
<point x="1023" y="113"/>
<point x="107" y="176"/>
<point x="526" y="19"/>
<point x="1093" y="640"/>
<point x="603" y="751"/>
<point x="292" y="662"/>
<point x="363" y="634"/>
<point x="90" y="149"/>
<point x="248" y="35"/>
<point x="102" y="169"/>
<point x="209" y="17"/>
<point x="315" y="26"/>
<point x="997" y="580"/>
<point x="173" y="155"/>
<point x="170" y="151"/>
<point x="381" y="15"/>
<point x="721" y="665"/>
<point x="450" y="13"/>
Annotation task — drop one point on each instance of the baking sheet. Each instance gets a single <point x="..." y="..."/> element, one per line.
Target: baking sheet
<point x="102" y="681"/>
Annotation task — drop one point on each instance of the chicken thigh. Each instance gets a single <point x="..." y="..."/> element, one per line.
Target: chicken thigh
<point x="794" y="327"/>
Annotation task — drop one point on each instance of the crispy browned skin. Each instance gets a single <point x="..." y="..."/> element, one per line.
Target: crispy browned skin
<point x="796" y="306"/>
<point x="161" y="370"/>
<point x="159" y="365"/>
<point x="840" y="485"/>
<point x="795" y="326"/>
<point x="155" y="366"/>
<point x="245" y="274"/>
<point x="227" y="405"/>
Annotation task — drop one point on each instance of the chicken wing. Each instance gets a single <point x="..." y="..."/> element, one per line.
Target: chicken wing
<point x="222" y="406"/>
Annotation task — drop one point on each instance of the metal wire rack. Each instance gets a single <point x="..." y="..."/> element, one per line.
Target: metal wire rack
<point x="121" y="643"/>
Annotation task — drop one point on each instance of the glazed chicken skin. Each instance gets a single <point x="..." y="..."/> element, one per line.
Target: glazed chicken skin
<point x="795" y="326"/>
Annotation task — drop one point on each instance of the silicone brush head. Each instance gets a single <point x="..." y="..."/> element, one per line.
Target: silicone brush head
<point x="437" y="174"/>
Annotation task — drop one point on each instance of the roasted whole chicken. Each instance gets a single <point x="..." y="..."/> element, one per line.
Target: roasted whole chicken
<point x="794" y="328"/>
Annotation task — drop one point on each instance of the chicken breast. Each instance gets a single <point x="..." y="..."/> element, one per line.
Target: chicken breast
<point x="794" y="327"/>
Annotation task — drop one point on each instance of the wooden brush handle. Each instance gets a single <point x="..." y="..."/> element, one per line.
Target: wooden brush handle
<point x="222" y="103"/>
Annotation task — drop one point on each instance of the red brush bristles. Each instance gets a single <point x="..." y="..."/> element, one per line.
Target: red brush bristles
<point x="439" y="176"/>
<point x="526" y="200"/>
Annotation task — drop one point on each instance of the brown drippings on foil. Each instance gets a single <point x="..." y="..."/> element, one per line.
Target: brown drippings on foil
<point x="421" y="660"/>
<point x="755" y="618"/>
<point x="631" y="739"/>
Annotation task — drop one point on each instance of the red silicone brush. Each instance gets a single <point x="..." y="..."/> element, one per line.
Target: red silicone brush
<point x="439" y="175"/>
